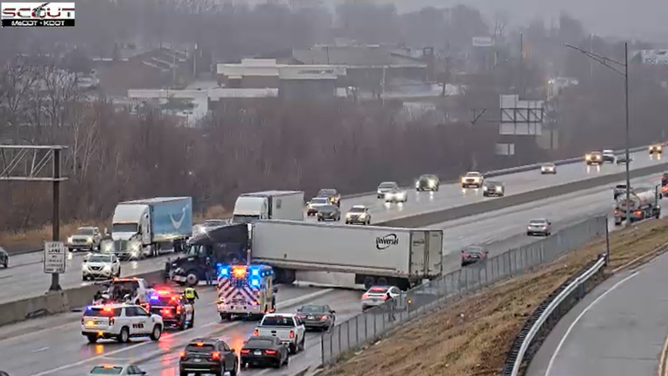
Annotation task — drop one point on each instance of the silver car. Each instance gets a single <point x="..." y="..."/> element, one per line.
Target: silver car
<point x="493" y="188"/>
<point x="548" y="168"/>
<point x="85" y="239"/>
<point x="385" y="187"/>
<point x="378" y="295"/>
<point x="539" y="227"/>
<point x="396" y="195"/>
<point x="116" y="369"/>
<point x="100" y="266"/>
<point x="315" y="204"/>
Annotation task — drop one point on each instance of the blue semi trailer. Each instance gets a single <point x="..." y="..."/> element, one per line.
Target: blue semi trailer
<point x="149" y="227"/>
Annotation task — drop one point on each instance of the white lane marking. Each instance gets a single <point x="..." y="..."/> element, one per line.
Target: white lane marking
<point x="40" y="349"/>
<point x="577" y="319"/>
<point x="290" y="302"/>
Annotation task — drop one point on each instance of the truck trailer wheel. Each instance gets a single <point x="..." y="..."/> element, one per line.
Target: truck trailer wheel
<point x="192" y="279"/>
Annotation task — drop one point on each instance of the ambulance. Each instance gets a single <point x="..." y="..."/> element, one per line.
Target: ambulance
<point x="245" y="291"/>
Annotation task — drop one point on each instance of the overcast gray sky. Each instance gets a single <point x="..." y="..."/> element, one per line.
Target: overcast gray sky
<point x="646" y="19"/>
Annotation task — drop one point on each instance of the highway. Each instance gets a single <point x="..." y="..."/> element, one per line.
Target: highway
<point x="618" y="329"/>
<point x="54" y="346"/>
<point x="25" y="276"/>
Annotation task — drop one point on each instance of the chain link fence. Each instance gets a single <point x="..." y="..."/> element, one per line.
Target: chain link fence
<point x="372" y="324"/>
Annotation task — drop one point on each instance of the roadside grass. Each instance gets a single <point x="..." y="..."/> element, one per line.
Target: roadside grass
<point x="14" y="241"/>
<point x="472" y="336"/>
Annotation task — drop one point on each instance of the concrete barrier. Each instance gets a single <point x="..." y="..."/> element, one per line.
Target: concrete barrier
<point x="52" y="303"/>
<point x="427" y="219"/>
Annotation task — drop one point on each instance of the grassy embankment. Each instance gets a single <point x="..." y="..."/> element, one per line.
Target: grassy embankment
<point x="474" y="334"/>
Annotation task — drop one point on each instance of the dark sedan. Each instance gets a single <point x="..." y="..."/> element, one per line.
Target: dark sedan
<point x="473" y="254"/>
<point x="329" y="213"/>
<point x="262" y="351"/>
<point x="4" y="258"/>
<point x="208" y="355"/>
<point x="317" y="316"/>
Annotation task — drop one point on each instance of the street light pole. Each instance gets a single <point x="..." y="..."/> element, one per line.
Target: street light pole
<point x="609" y="64"/>
<point x="628" y="136"/>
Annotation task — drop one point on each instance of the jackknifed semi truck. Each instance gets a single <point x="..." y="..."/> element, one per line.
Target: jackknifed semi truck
<point x="376" y="255"/>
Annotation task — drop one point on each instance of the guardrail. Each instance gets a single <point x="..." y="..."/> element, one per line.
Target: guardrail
<point x="372" y="324"/>
<point x="548" y="314"/>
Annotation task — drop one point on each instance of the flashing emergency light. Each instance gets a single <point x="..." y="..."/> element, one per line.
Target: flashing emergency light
<point x="239" y="271"/>
<point x="223" y="271"/>
<point x="255" y="282"/>
<point x="255" y="272"/>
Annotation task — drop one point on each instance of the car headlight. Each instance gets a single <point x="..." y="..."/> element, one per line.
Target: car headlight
<point x="417" y="184"/>
<point x="70" y="240"/>
<point x="499" y="189"/>
<point x="89" y="240"/>
<point x="463" y="180"/>
<point x="107" y="268"/>
<point x="379" y="191"/>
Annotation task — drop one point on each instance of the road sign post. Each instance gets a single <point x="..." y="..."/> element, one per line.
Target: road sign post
<point x="55" y="259"/>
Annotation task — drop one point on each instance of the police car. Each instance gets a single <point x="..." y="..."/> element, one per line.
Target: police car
<point x="173" y="308"/>
<point x="120" y="322"/>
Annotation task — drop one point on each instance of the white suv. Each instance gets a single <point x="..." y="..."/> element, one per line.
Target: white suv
<point x="120" y="322"/>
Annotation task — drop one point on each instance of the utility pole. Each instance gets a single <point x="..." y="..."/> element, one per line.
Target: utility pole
<point x="613" y="65"/>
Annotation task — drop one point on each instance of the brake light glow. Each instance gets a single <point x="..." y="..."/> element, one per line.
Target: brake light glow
<point x="637" y="212"/>
<point x="292" y="334"/>
<point x="245" y="351"/>
<point x="166" y="312"/>
<point x="365" y="296"/>
<point x="323" y="317"/>
<point x="239" y="271"/>
<point x="182" y="354"/>
<point x="215" y="355"/>
<point x="270" y="352"/>
<point x="107" y="310"/>
<point x="199" y="344"/>
<point x="178" y="309"/>
<point x="384" y="297"/>
<point x="256" y="333"/>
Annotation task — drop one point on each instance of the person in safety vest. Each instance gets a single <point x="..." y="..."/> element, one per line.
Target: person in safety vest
<point x="190" y="294"/>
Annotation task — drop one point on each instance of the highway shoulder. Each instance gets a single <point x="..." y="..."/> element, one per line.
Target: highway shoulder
<point x="618" y="329"/>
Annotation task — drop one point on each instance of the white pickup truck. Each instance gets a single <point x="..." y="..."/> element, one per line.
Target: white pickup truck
<point x="288" y="327"/>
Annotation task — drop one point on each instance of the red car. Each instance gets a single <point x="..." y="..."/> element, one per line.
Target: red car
<point x="473" y="254"/>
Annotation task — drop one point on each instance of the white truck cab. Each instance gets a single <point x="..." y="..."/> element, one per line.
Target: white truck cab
<point x="287" y="327"/>
<point x="120" y="322"/>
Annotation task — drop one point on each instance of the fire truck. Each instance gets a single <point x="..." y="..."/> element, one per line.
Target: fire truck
<point x="245" y="291"/>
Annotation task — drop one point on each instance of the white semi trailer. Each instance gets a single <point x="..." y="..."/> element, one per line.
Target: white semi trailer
<point x="376" y="255"/>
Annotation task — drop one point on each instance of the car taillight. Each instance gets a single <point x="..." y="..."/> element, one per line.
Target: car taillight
<point x="637" y="212"/>
<point x="166" y="312"/>
<point x="245" y="351"/>
<point x="465" y="255"/>
<point x="365" y="296"/>
<point x="323" y="317"/>
<point x="384" y="297"/>
<point x="256" y="333"/>
<point x="292" y="334"/>
<point x="178" y="309"/>
<point x="215" y="355"/>
<point x="182" y="354"/>
<point x="270" y="352"/>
